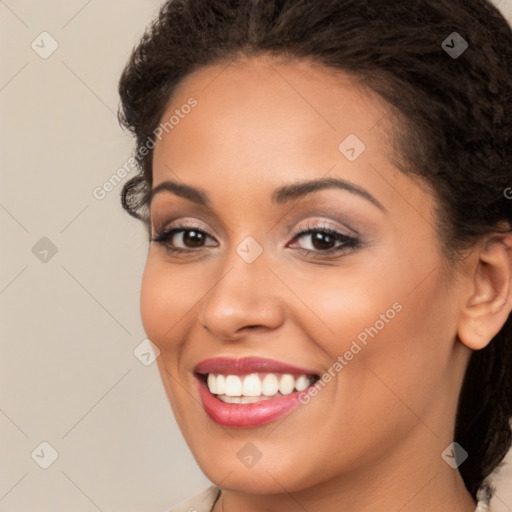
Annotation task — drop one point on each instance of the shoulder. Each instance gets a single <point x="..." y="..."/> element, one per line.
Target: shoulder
<point x="484" y="496"/>
<point x="202" y="502"/>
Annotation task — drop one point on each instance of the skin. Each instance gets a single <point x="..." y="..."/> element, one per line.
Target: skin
<point x="372" y="439"/>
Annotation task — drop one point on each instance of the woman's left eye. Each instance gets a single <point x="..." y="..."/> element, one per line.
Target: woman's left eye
<point x="325" y="241"/>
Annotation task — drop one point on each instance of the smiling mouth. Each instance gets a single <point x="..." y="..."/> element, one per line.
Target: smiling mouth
<point x="255" y="387"/>
<point x="252" y="391"/>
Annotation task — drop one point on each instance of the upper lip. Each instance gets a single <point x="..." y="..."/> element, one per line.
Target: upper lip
<point x="243" y="366"/>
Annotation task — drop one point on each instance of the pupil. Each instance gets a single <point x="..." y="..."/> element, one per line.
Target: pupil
<point x="193" y="238"/>
<point x="322" y="241"/>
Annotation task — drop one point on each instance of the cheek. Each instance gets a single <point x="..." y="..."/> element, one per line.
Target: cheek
<point x="395" y="319"/>
<point x="168" y="295"/>
<point x="356" y="303"/>
<point x="152" y="302"/>
<point x="403" y="361"/>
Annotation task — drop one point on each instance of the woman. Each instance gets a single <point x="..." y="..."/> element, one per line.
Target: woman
<point x="329" y="276"/>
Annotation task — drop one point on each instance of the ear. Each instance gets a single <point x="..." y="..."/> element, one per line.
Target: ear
<point x="489" y="302"/>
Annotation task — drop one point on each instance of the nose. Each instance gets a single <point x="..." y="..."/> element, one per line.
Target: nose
<point x="244" y="298"/>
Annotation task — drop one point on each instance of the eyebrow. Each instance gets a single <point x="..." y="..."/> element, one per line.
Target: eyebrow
<point x="281" y="195"/>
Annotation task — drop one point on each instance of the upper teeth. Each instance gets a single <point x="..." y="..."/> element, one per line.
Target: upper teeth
<point x="253" y="385"/>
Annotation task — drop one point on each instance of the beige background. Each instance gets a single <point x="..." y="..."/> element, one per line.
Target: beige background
<point x="69" y="325"/>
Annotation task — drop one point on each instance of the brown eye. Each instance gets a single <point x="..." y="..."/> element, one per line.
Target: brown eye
<point x="192" y="238"/>
<point x="324" y="240"/>
<point x="182" y="238"/>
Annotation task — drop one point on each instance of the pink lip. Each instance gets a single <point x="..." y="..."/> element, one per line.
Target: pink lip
<point x="246" y="415"/>
<point x="231" y="366"/>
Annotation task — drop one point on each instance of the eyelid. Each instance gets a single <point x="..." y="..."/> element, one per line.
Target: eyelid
<point x="166" y="213"/>
<point x="343" y="229"/>
<point x="179" y="223"/>
<point x="337" y="234"/>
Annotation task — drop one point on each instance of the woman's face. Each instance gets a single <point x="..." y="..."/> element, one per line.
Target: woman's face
<point x="360" y="301"/>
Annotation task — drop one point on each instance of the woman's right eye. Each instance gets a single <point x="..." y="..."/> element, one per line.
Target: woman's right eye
<point x="183" y="239"/>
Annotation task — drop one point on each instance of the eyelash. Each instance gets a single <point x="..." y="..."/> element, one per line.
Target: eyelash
<point x="348" y="242"/>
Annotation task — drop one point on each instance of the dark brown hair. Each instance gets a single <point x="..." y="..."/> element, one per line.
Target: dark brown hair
<point x="452" y="129"/>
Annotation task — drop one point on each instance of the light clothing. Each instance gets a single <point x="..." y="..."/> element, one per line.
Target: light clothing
<point x="205" y="501"/>
<point x="202" y="502"/>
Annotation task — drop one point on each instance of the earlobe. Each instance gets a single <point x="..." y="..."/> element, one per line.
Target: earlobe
<point x="490" y="301"/>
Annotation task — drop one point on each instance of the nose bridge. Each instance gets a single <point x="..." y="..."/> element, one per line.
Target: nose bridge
<point x="243" y="295"/>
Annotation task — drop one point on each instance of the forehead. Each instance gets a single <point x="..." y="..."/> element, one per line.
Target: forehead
<point x="260" y="98"/>
<point x="264" y="121"/>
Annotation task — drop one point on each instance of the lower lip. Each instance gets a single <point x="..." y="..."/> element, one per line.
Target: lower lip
<point x="246" y="415"/>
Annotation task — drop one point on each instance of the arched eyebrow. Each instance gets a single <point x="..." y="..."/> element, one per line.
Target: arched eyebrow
<point x="185" y="191"/>
<point x="296" y="190"/>
<point x="281" y="195"/>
